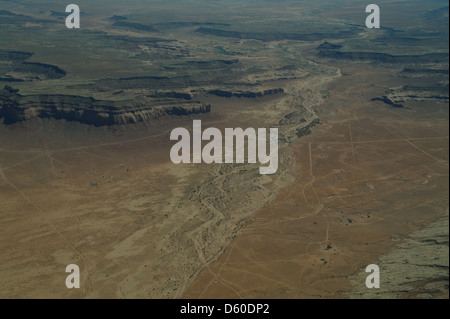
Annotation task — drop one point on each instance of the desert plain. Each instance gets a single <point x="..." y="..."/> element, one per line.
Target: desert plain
<point x="86" y="177"/>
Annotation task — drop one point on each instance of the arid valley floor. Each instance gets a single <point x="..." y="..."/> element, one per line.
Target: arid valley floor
<point x="86" y="177"/>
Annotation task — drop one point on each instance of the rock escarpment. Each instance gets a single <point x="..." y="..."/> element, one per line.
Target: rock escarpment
<point x="334" y="51"/>
<point x="397" y="97"/>
<point x="247" y="94"/>
<point x="15" y="69"/>
<point x="278" y="36"/>
<point x="15" y="107"/>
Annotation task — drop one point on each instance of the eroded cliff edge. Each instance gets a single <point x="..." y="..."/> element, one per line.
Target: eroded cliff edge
<point x="15" y="107"/>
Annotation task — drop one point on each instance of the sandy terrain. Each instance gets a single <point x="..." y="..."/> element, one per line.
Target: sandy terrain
<point x="366" y="177"/>
<point x="113" y="203"/>
<point x="343" y="196"/>
<point x="363" y="144"/>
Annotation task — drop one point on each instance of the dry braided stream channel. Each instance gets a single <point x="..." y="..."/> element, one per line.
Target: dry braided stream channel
<point x="86" y="176"/>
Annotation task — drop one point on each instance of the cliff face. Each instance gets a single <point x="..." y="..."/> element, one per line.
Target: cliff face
<point x="16" y="108"/>
<point x="14" y="63"/>
<point x="41" y="70"/>
<point x="247" y="94"/>
<point x="279" y="36"/>
<point x="397" y="97"/>
<point x="333" y="51"/>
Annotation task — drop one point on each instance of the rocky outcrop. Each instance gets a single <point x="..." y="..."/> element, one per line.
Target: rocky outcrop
<point x="118" y="18"/>
<point x="182" y="24"/>
<point x="213" y="64"/>
<point x="17" y="108"/>
<point x="183" y="110"/>
<point x="205" y="65"/>
<point x="278" y="36"/>
<point x="246" y="94"/>
<point x="26" y="71"/>
<point x="331" y="51"/>
<point x="385" y="58"/>
<point x="428" y="71"/>
<point x="396" y="97"/>
<point x="9" y="78"/>
<point x="135" y="26"/>
<point x="14" y="56"/>
<point x="327" y="46"/>
<point x="387" y="100"/>
<point x="173" y="95"/>
<point x="422" y="72"/>
<point x="40" y="69"/>
<point x="306" y="130"/>
<point x="141" y="82"/>
<point x="417" y="268"/>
